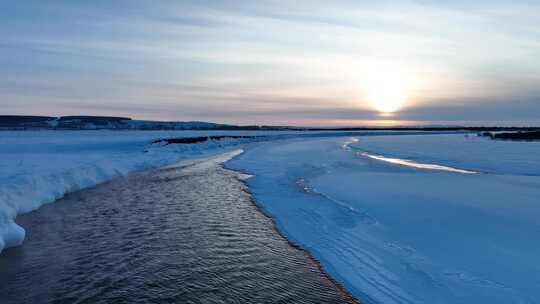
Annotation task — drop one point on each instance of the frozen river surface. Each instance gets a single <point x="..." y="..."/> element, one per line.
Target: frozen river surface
<point x="429" y="219"/>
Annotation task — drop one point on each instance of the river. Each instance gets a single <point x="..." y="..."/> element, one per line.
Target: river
<point x="188" y="233"/>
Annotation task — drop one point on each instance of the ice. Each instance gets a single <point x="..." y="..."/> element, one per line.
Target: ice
<point x="409" y="163"/>
<point x="396" y="234"/>
<point x="469" y="152"/>
<point x="39" y="167"/>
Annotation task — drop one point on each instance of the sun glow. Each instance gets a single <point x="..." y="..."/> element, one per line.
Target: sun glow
<point x="388" y="90"/>
<point x="386" y="99"/>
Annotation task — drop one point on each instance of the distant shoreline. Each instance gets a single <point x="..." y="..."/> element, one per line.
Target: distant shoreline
<point x="86" y="123"/>
<point x="532" y="135"/>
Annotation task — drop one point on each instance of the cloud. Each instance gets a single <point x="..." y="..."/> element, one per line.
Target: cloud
<point x="294" y="61"/>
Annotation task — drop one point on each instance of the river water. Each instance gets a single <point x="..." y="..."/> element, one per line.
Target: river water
<point x="183" y="234"/>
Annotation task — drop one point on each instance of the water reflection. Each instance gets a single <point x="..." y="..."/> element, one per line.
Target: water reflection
<point x="410" y="163"/>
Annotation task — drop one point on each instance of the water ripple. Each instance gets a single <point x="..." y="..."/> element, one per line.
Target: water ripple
<point x="185" y="234"/>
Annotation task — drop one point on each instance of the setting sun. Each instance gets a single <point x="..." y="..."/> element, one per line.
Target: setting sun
<point x="387" y="90"/>
<point x="386" y="100"/>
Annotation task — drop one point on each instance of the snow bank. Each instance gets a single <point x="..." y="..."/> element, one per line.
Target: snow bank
<point x="396" y="234"/>
<point x="41" y="166"/>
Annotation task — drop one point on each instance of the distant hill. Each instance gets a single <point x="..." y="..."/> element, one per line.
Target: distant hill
<point x="22" y="122"/>
<point x="19" y="122"/>
<point x="15" y="121"/>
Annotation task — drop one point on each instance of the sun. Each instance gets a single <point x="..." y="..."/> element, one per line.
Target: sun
<point x="386" y="99"/>
<point x="387" y="90"/>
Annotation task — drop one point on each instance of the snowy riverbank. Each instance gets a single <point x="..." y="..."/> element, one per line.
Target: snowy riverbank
<point x="39" y="167"/>
<point x="391" y="233"/>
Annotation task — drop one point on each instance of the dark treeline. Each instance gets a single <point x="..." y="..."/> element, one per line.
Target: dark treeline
<point x="524" y="136"/>
<point x="194" y="140"/>
<point x="21" y="122"/>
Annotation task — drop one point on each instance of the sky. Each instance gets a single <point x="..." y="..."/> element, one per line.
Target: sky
<point x="316" y="63"/>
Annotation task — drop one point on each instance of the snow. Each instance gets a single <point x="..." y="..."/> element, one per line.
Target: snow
<point x="391" y="233"/>
<point x="406" y="226"/>
<point x="39" y="167"/>
<point x="471" y="152"/>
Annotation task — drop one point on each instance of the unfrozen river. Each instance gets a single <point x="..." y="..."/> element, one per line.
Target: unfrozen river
<point x="184" y="234"/>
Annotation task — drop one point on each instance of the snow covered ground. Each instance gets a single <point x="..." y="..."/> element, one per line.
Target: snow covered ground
<point x="394" y="218"/>
<point x="40" y="166"/>
<point x="394" y="233"/>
